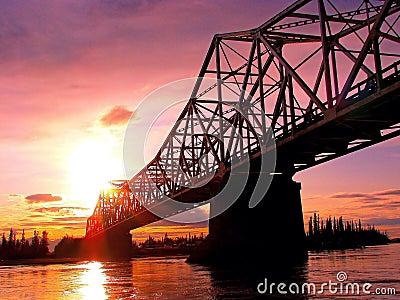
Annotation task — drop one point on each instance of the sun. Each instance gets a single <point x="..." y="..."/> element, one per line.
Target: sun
<point x="92" y="164"/>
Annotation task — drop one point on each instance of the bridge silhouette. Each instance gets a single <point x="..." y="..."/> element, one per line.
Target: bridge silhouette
<point x="317" y="81"/>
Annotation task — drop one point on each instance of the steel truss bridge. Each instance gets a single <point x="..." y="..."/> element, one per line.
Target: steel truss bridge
<point x="320" y="78"/>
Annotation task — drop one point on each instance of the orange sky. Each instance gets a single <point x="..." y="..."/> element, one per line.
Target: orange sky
<point x="71" y="74"/>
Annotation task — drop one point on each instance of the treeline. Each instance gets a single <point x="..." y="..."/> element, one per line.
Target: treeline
<point x="166" y="241"/>
<point x="337" y="234"/>
<point x="68" y="247"/>
<point x="13" y="248"/>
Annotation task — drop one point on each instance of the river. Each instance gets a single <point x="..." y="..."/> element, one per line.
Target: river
<point x="373" y="270"/>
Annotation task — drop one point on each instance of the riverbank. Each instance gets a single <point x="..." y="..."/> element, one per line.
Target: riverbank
<point x="54" y="261"/>
<point x="161" y="252"/>
<point x="39" y="261"/>
<point x="142" y="253"/>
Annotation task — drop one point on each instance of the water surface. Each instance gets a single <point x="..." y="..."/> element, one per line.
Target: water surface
<point x="172" y="278"/>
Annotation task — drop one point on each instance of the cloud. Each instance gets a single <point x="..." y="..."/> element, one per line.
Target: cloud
<point x="69" y="220"/>
<point x="358" y="196"/>
<point x="310" y="212"/>
<point x="383" y="221"/>
<point x="14" y="196"/>
<point x="48" y="209"/>
<point x="347" y="195"/>
<point x="390" y="192"/>
<point x="383" y="206"/>
<point x="38" y="198"/>
<point x="365" y="197"/>
<point x="56" y="222"/>
<point x="60" y="209"/>
<point x="118" y="115"/>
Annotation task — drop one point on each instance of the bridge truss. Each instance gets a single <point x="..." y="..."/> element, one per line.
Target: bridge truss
<point x="317" y="81"/>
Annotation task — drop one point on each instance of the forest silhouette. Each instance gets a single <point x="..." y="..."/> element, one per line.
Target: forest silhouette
<point x="338" y="234"/>
<point x="13" y="248"/>
<point x="329" y="234"/>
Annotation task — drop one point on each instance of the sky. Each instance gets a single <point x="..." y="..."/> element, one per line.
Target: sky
<point x="71" y="75"/>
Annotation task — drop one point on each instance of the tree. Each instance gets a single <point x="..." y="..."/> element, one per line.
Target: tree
<point x="341" y="226"/>
<point x="23" y="240"/>
<point x="11" y="238"/>
<point x="310" y="227"/>
<point x="35" y="243"/>
<point x="3" y="240"/>
<point x="44" y="244"/>
<point x="334" y="225"/>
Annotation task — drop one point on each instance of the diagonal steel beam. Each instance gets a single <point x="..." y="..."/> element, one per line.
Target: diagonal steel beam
<point x="248" y="70"/>
<point x="364" y="51"/>
<point x="372" y="19"/>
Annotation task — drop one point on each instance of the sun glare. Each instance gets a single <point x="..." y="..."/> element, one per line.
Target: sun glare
<point x="93" y="281"/>
<point x="91" y="166"/>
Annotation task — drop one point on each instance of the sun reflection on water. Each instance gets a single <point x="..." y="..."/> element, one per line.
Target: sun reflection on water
<point x="93" y="282"/>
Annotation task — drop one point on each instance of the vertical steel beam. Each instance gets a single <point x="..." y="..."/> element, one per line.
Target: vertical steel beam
<point x="325" y="52"/>
<point x="291" y="102"/>
<point x="378" y="63"/>
<point x="219" y="91"/>
<point x="261" y="90"/>
<point x="334" y="70"/>
<point x="248" y="71"/>
<point x="282" y="93"/>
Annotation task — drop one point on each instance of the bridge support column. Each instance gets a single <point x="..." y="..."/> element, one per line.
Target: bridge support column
<point x="272" y="233"/>
<point x="108" y="245"/>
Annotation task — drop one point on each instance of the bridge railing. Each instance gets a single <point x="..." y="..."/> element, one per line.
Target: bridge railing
<point x="368" y="86"/>
<point x="390" y="75"/>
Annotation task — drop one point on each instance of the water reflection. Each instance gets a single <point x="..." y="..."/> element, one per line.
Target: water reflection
<point x="172" y="278"/>
<point x="157" y="278"/>
<point x="93" y="282"/>
<point x="242" y="281"/>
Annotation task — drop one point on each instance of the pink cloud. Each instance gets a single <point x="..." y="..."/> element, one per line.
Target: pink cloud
<point x="37" y="198"/>
<point x="118" y="115"/>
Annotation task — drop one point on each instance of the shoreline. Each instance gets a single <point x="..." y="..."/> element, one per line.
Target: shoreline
<point x="147" y="254"/>
<point x="39" y="261"/>
<point x="54" y="261"/>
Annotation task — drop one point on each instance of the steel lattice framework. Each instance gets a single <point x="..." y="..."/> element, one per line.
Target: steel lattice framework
<point x="318" y="78"/>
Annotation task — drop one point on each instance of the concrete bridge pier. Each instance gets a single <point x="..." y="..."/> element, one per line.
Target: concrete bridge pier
<point x="272" y="233"/>
<point x="110" y="245"/>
